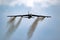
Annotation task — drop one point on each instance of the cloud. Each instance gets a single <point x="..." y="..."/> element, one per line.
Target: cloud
<point x="30" y="3"/>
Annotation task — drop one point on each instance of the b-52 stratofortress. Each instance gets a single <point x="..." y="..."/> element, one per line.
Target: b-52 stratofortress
<point x="29" y="16"/>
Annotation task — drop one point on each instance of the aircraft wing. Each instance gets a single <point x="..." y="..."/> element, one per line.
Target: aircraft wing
<point x="17" y="15"/>
<point x="41" y="16"/>
<point x="28" y="15"/>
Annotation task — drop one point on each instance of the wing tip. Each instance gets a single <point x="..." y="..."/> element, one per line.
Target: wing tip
<point x="48" y="16"/>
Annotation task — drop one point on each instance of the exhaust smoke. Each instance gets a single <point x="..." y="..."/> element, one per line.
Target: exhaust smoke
<point x="12" y="27"/>
<point x="33" y="26"/>
<point x="11" y="19"/>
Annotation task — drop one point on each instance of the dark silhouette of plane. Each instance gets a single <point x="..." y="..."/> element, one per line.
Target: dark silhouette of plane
<point x="29" y="16"/>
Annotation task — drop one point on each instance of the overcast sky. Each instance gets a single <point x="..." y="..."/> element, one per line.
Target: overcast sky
<point x="48" y="29"/>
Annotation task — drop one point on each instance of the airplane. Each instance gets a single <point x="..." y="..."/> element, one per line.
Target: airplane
<point x="29" y="16"/>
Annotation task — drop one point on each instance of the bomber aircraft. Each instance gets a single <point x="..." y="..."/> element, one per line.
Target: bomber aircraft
<point x="29" y="16"/>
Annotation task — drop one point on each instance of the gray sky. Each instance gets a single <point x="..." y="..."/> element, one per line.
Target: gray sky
<point x="48" y="29"/>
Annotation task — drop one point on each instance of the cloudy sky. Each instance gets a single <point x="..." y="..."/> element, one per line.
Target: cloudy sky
<point x="48" y="29"/>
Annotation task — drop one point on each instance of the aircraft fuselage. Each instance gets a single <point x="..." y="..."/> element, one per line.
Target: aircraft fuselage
<point x="29" y="16"/>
